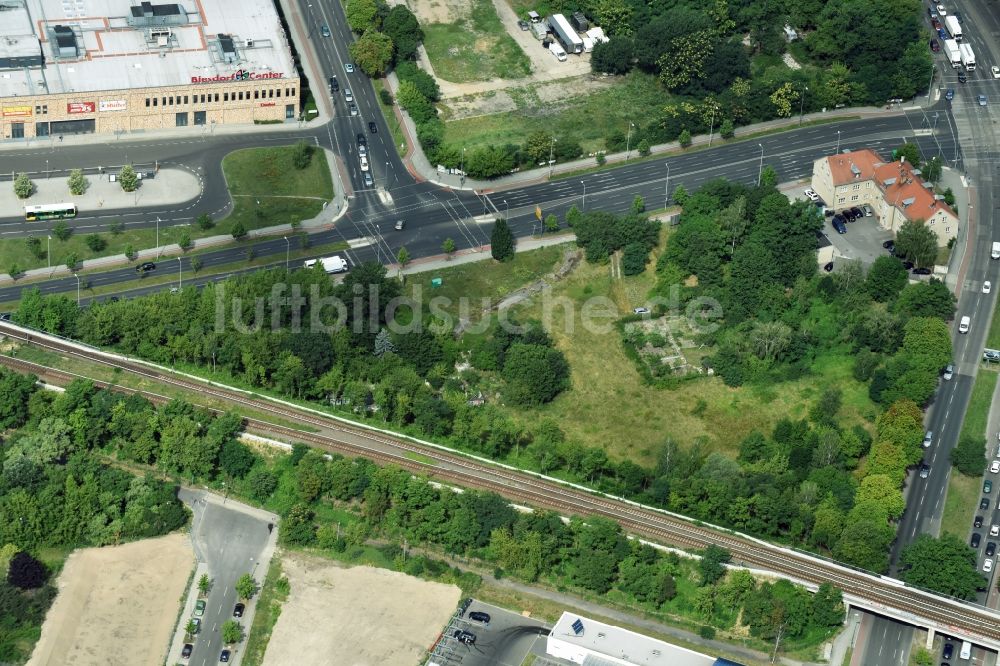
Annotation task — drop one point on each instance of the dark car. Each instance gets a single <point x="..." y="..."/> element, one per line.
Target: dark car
<point x="479" y="616"/>
<point x="464" y="606"/>
<point x="922" y="271"/>
<point x="224" y="657"/>
<point x="936" y="24"/>
<point x="949" y="649"/>
<point x="942" y="34"/>
<point x="984" y="503"/>
<point x="962" y="77"/>
<point x="372" y="128"/>
<point x="466" y="637"/>
<point x="145" y="267"/>
<point x="908" y="265"/>
<point x="238" y="611"/>
<point x="325" y="31"/>
<point x="828" y="267"/>
<point x="949" y="94"/>
<point x="925" y="471"/>
<point x="935" y="47"/>
<point x="857" y="213"/>
<point x="362" y="141"/>
<point x="186" y="650"/>
<point x="334" y="84"/>
<point x="977" y="521"/>
<point x="991" y="549"/>
<point x="523" y="25"/>
<point x="838" y="224"/>
<point x="976" y="538"/>
<point x="889" y="245"/>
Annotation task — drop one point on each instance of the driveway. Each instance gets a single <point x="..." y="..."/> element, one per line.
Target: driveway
<point x="863" y="240"/>
<point x="229" y="540"/>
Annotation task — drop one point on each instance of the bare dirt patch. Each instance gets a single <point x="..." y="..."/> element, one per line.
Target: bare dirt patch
<point x="366" y="616"/>
<point x="116" y="605"/>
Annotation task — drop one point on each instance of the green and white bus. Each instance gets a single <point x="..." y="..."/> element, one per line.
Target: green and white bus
<point x="49" y="212"/>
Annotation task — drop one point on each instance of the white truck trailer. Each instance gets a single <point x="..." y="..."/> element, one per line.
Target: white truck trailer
<point x="953" y="27"/>
<point x="968" y="57"/>
<point x="954" y="55"/>
<point x="566" y="34"/>
<point x="334" y="264"/>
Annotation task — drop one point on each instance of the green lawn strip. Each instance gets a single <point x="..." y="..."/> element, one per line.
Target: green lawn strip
<point x="993" y="337"/>
<point x="167" y="269"/>
<point x="395" y="127"/>
<point x="475" y="49"/>
<point x="959" y="504"/>
<point x="253" y="174"/>
<point x="100" y="372"/>
<point x="266" y="614"/>
<point x="978" y="412"/>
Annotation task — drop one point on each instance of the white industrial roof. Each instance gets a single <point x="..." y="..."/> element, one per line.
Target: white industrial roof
<point x="622" y="646"/>
<point x="116" y="56"/>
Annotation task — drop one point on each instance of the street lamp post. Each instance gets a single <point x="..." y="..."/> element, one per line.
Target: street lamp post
<point x="802" y="102"/>
<point x="180" y="274"/>
<point x="628" y="139"/>
<point x="584" y="194"/>
<point x="77" y="289"/>
<point x="711" y="126"/>
<point x="461" y="167"/>
<point x="552" y="146"/>
<point x="48" y="251"/>
<point x="47" y="172"/>
<point x="288" y="249"/>
<point x="930" y="84"/>
<point x="838" y="142"/>
<point x="157" y="236"/>
<point x="666" y="187"/>
<point x="507" y="209"/>
<point x="760" y="169"/>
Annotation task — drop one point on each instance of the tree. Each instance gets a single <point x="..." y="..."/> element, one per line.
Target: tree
<point x="967" y="456"/>
<point x="77" y="182"/>
<point x="910" y="152"/>
<point x="95" y="242"/>
<point x="246" y="586"/>
<point x="551" y="222"/>
<point x="638" y="205"/>
<point x="710" y="566"/>
<point x="34" y="244"/>
<point x="612" y="57"/>
<point x="62" y="231"/>
<point x="883" y="490"/>
<point x="232" y="632"/>
<point x="534" y="374"/>
<point x="946" y="565"/>
<point x="128" y="179"/>
<point x="680" y="195"/>
<point x="15" y="271"/>
<point x="301" y="155"/>
<point x="23" y="187"/>
<point x="916" y="242"/>
<point x="130" y="252"/>
<point x="634" y="258"/>
<point x="373" y="52"/>
<point x="886" y="278"/>
<point x="205" y="222"/>
<point x="403" y="28"/>
<point x="184" y="242"/>
<point x="684" y="138"/>
<point x="403" y="257"/>
<point x="116" y="228"/>
<point x="235" y="459"/>
<point x="25" y="572"/>
<point x="537" y="146"/>
<point x="196" y="264"/>
<point x="72" y="261"/>
<point x="239" y="232"/>
<point x="643" y="148"/>
<point x="361" y="15"/>
<point x="926" y="299"/>
<point x="191" y="627"/>
<point x="932" y="169"/>
<point x="204" y="584"/>
<point x="726" y="129"/>
<point x="501" y="241"/>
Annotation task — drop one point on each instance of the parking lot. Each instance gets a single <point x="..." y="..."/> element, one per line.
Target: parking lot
<point x="863" y="240"/>
<point x="505" y="641"/>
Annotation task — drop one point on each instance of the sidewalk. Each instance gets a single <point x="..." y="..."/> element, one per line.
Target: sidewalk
<point x="964" y="193"/>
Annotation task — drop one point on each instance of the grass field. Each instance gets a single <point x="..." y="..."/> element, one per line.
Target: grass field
<point x="268" y="610"/>
<point x="588" y="119"/>
<point x="254" y="174"/>
<point x="960" y="504"/>
<point x="395" y="128"/>
<point x="978" y="412"/>
<point x="476" y="48"/>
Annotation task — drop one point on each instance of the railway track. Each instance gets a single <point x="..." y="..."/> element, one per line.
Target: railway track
<point x="879" y="594"/>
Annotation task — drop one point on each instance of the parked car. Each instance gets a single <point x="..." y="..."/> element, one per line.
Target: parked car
<point x="479" y="616"/>
<point x="925" y="471"/>
<point x="994" y="530"/>
<point x="995" y="71"/>
<point x="857" y="213"/>
<point x="923" y="270"/>
<point x="373" y="128"/>
<point x="949" y="649"/>
<point x="928" y="438"/>
<point x="145" y="267"/>
<point x="984" y="504"/>
<point x="238" y="611"/>
<point x="812" y="196"/>
<point x="186" y="651"/>
<point x="867" y="210"/>
<point x="933" y="12"/>
<point x="199" y="608"/>
<point x="936" y="24"/>
<point x="995" y="467"/>
<point x="466" y="637"/>
<point x="977" y="521"/>
<point x="988" y="565"/>
<point x="224" y="657"/>
<point x="987" y="486"/>
<point x="889" y="245"/>
<point x="942" y="34"/>
<point x="523" y="25"/>
<point x="325" y="31"/>
<point x="976" y="538"/>
<point x="991" y="548"/>
<point x="838" y="224"/>
<point x="197" y="625"/>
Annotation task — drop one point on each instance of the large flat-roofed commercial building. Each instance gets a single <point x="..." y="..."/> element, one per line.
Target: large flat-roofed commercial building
<point x="591" y="643"/>
<point x="109" y="66"/>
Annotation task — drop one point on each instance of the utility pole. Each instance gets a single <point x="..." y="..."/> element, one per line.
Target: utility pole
<point x="666" y="187"/>
<point x="288" y="249"/>
<point x="838" y="142"/>
<point x="628" y="139"/>
<point x="180" y="274"/>
<point x="507" y="213"/>
<point x="48" y="252"/>
<point x="711" y="126"/>
<point x="157" y="236"/>
<point x="584" y="195"/>
<point x="760" y="169"/>
<point x="802" y="101"/>
<point x="77" y="289"/>
<point x="552" y="146"/>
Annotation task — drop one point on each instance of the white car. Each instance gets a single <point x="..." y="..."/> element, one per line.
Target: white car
<point x="348" y="95"/>
<point x="362" y="150"/>
<point x="812" y="196"/>
<point x="348" y="67"/>
<point x="928" y="437"/>
<point x="996" y="71"/>
<point x="995" y="467"/>
<point x="941" y="10"/>
<point x="988" y="565"/>
<point x="364" y="163"/>
<point x="994" y="530"/>
<point x="987" y="286"/>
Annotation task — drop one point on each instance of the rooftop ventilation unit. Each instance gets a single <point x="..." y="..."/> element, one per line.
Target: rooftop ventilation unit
<point x="228" y="47"/>
<point x="147" y="14"/>
<point x="64" y="44"/>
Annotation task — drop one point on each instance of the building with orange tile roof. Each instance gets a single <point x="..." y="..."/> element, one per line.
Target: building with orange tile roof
<point x="894" y="190"/>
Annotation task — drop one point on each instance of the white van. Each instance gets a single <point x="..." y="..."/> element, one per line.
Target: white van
<point x="966" y="650"/>
<point x="963" y="325"/>
<point x="995" y="251"/>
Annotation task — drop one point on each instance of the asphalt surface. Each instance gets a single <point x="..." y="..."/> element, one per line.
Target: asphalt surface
<point x="505" y="641"/>
<point x="231" y="543"/>
<point x="433" y="214"/>
<point x="973" y="128"/>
